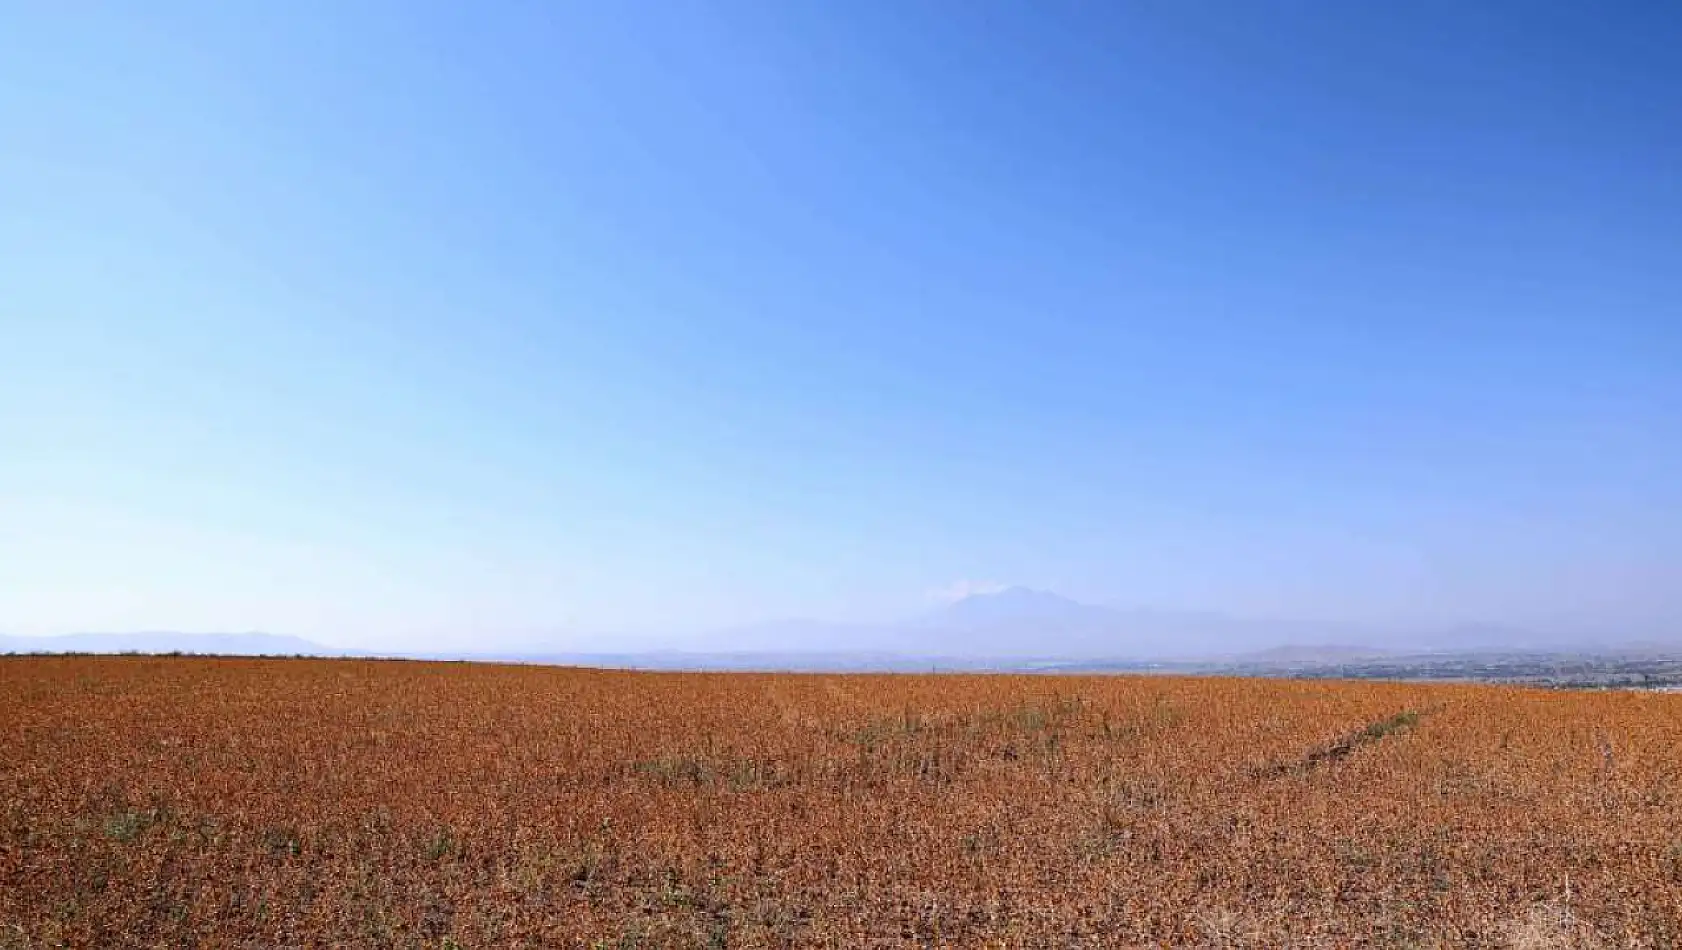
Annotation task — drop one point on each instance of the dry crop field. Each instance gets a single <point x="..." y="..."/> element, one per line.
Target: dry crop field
<point x="176" y="802"/>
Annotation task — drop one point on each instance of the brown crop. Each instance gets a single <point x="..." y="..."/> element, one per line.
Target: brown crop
<point x="178" y="802"/>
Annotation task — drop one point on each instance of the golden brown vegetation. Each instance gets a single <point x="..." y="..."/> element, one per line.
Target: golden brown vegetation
<point x="198" y="802"/>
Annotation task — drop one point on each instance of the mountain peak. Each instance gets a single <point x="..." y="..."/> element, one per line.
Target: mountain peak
<point x="1012" y="603"/>
<point x="1017" y="593"/>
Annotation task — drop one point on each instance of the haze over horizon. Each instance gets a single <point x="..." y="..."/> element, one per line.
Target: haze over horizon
<point x="994" y="628"/>
<point x="429" y="326"/>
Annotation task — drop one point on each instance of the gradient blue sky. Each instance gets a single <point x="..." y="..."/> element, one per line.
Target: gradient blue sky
<point x="430" y="324"/>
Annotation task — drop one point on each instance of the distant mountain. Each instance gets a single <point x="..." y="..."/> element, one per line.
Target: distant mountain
<point x="1327" y="653"/>
<point x="1024" y="622"/>
<point x="1021" y="624"/>
<point x="1016" y="605"/>
<point x="227" y="644"/>
<point x="1018" y="628"/>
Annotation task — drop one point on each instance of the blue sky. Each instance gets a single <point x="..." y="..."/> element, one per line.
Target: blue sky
<point x="429" y="324"/>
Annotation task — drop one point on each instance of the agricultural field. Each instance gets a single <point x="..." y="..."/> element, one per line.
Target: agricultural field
<point x="180" y="802"/>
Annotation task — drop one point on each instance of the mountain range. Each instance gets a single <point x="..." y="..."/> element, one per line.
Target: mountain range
<point x="1021" y="623"/>
<point x="1017" y="627"/>
<point x="225" y="644"/>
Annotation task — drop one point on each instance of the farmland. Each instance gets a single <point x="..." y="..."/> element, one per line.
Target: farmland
<point x="227" y="802"/>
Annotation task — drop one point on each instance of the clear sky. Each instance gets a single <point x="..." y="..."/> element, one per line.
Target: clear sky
<point x="435" y="323"/>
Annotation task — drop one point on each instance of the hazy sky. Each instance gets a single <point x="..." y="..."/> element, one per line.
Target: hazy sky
<point x="433" y="323"/>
